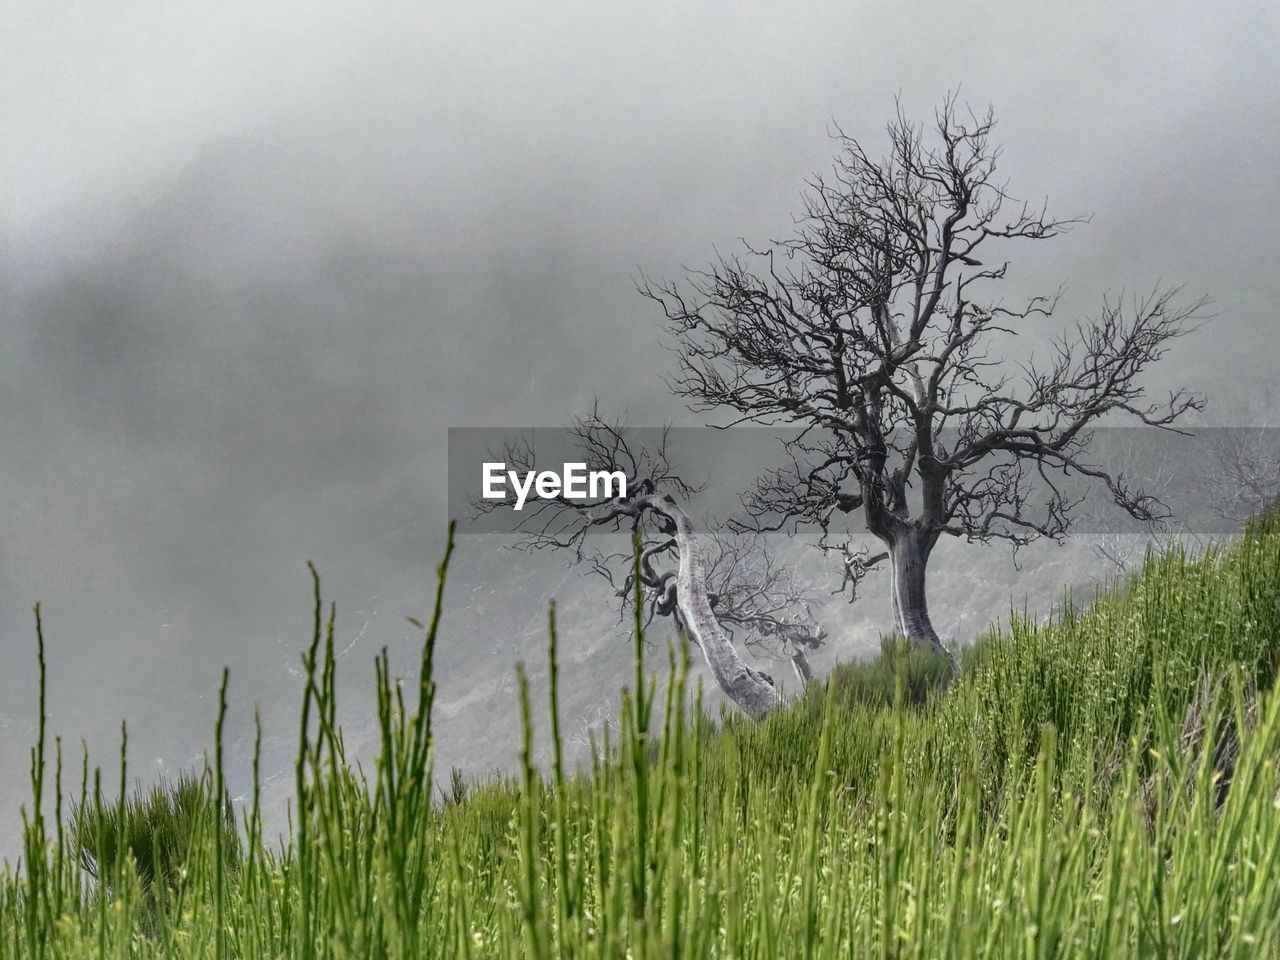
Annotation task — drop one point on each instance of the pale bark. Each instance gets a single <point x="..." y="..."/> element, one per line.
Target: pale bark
<point x="800" y="663"/>
<point x="748" y="688"/>
<point x="908" y="559"/>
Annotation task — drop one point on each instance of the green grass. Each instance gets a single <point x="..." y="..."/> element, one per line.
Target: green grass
<point x="1103" y="785"/>
<point x="154" y="829"/>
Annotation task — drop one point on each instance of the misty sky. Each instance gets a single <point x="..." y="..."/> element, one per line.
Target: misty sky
<point x="259" y="257"/>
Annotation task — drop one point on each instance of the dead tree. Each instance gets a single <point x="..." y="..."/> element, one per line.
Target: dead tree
<point x="1241" y="467"/>
<point x="716" y="586"/>
<point x="1124" y="549"/>
<point x="871" y="330"/>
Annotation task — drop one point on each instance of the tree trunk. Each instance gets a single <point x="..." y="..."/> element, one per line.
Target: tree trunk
<point x="800" y="663"/>
<point x="909" y="558"/>
<point x="749" y="689"/>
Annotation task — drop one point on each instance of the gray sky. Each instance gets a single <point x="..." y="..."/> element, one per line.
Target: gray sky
<point x="258" y="257"/>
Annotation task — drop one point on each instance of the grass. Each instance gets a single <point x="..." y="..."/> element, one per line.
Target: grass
<point x="1102" y="785"/>
<point x="154" y="830"/>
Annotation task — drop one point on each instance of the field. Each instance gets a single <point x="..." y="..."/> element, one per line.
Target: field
<point x="1103" y="784"/>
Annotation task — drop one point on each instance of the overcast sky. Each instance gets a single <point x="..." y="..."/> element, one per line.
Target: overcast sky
<point x="258" y="257"/>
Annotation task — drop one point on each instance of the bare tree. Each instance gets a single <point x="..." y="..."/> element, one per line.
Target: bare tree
<point x="1241" y="468"/>
<point x="1125" y="549"/>
<point x="871" y="330"/>
<point x="718" y="587"/>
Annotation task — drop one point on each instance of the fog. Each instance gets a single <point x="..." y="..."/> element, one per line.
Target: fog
<point x="259" y="258"/>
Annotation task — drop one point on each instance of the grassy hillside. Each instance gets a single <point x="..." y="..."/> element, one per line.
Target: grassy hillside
<point x="1101" y="785"/>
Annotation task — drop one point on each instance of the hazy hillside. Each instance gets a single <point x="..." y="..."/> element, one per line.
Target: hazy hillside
<point x="495" y="617"/>
<point x="1100" y="784"/>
